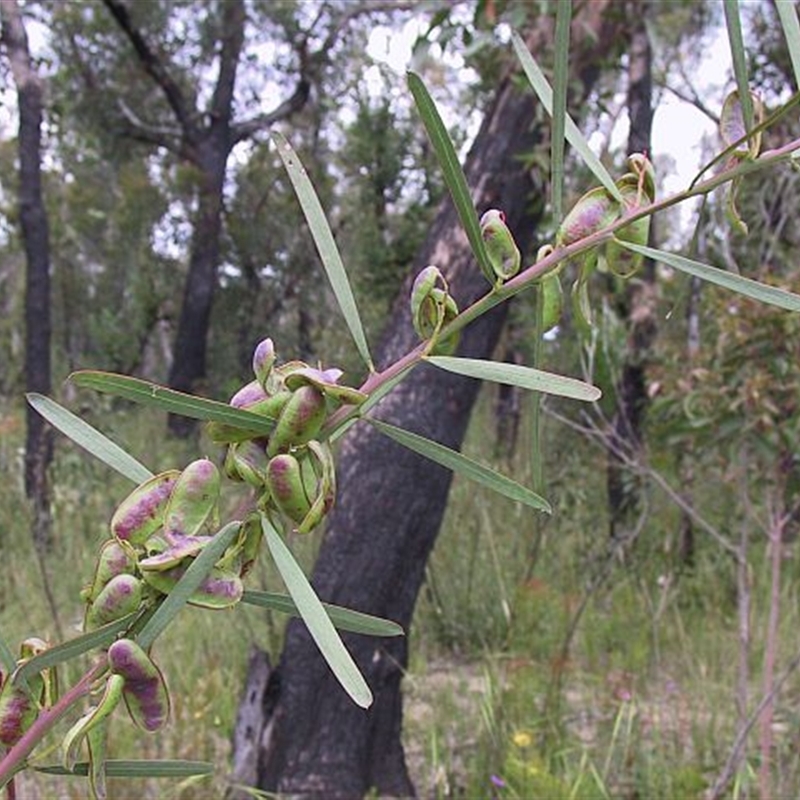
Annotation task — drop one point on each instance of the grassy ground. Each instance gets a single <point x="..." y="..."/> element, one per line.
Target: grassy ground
<point x="544" y="664"/>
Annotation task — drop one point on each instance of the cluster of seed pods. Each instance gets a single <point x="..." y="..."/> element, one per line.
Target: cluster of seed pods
<point x="292" y="469"/>
<point x="157" y="530"/>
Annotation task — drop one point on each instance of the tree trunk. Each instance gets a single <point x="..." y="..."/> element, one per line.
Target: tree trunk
<point x="640" y="292"/>
<point x="191" y="339"/>
<point x="33" y="219"/>
<point x="315" y="741"/>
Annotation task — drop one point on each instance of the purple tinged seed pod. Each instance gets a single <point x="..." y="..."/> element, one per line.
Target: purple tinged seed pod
<point x="193" y="499"/>
<point x="285" y="484"/>
<point x="248" y="395"/>
<point x="180" y="548"/>
<point x="263" y="361"/>
<point x="327" y="381"/>
<point x="145" y="691"/>
<point x="596" y="210"/>
<point x="300" y="421"/>
<point x="221" y="588"/>
<point x="141" y="513"/>
<point x="18" y="711"/>
<point x="120" y="596"/>
<point x="115" y="558"/>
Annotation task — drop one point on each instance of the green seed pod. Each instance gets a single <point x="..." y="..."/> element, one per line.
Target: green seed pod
<point x="300" y="421"/>
<point x="91" y="720"/>
<point x="120" y="596"/>
<point x="18" y="711"/>
<point x="250" y="537"/>
<point x="246" y="461"/>
<point x="432" y="307"/>
<point x="319" y="482"/>
<point x="115" y="558"/>
<point x="145" y="692"/>
<point x="263" y="360"/>
<point x="552" y="301"/>
<point x="285" y="483"/>
<point x="221" y="588"/>
<point x="141" y="513"/>
<point x="193" y="499"/>
<point x="501" y="248"/>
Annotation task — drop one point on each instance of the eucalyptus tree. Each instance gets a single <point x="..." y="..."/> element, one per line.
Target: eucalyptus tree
<point x="191" y="84"/>
<point x="35" y="234"/>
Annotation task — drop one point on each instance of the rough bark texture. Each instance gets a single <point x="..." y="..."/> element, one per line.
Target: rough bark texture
<point x="315" y="741"/>
<point x="33" y="220"/>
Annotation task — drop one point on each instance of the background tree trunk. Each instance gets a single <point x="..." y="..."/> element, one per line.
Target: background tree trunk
<point x="33" y="220"/>
<point x="315" y="742"/>
<point x="638" y="303"/>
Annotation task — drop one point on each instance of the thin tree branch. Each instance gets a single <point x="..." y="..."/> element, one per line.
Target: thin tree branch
<point x="154" y="67"/>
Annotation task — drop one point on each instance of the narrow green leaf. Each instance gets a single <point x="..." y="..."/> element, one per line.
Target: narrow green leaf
<point x="462" y="465"/>
<point x="344" y="619"/>
<point x="187" y="405"/>
<point x="560" y="84"/>
<point x="791" y="30"/>
<point x="728" y="280"/>
<point x="326" y="245"/>
<point x="89" y="438"/>
<point x="739" y="57"/>
<point x="7" y="660"/>
<point x="544" y="92"/>
<point x="452" y="173"/>
<point x="188" y="584"/>
<point x="137" y="768"/>
<point x="316" y="619"/>
<point x="72" y="648"/>
<point x="517" y="375"/>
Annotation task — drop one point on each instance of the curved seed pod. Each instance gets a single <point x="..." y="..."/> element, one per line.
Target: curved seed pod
<point x="120" y="596"/>
<point x="115" y="558"/>
<point x="180" y="547"/>
<point x="318" y="472"/>
<point x="285" y="483"/>
<point x="193" y="499"/>
<point x="732" y="126"/>
<point x="246" y="461"/>
<point x="637" y="187"/>
<point x="501" y="248"/>
<point x="300" y="420"/>
<point x="596" y="210"/>
<point x="144" y="690"/>
<point x="552" y="301"/>
<point x="141" y="513"/>
<point x="89" y="721"/>
<point x="263" y="360"/>
<point x="221" y="588"/>
<point x="250" y="536"/>
<point x="97" y="740"/>
<point x="18" y="711"/>
<point x="432" y="307"/>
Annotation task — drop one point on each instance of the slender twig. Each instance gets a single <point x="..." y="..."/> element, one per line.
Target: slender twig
<point x="15" y="758"/>
<point x="731" y="764"/>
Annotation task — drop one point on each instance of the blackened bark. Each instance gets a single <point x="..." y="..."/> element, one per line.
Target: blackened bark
<point x="638" y="305"/>
<point x="316" y="742"/>
<point x="33" y="220"/>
